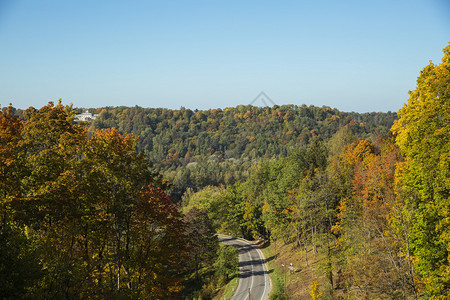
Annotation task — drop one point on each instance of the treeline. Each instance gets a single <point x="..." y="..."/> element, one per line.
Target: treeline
<point x="176" y="137"/>
<point x="196" y="148"/>
<point x="376" y="208"/>
<point x="89" y="218"/>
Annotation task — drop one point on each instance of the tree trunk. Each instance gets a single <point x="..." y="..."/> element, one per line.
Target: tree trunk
<point x="408" y="259"/>
<point x="306" y="251"/>
<point x="119" y="254"/>
<point x="196" y="267"/>
<point x="298" y="236"/>
<point x="314" y="240"/>
<point x="330" y="266"/>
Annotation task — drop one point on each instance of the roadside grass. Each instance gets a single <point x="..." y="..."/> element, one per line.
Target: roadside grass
<point x="275" y="273"/>
<point x="209" y="286"/>
<point x="227" y="291"/>
<point x="298" y="281"/>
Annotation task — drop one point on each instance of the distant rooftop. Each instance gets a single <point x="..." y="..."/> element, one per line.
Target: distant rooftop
<point x="85" y="116"/>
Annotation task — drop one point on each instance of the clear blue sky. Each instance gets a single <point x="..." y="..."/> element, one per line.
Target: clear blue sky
<point x="351" y="55"/>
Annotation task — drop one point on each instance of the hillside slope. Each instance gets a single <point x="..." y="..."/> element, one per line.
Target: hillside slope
<point x="195" y="148"/>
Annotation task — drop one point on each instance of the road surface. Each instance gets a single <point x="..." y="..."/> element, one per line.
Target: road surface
<point x="254" y="281"/>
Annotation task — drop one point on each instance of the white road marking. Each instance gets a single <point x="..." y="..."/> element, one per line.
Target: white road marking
<point x="251" y="261"/>
<point x="267" y="281"/>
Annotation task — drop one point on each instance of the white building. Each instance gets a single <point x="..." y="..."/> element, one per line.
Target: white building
<point x="85" y="117"/>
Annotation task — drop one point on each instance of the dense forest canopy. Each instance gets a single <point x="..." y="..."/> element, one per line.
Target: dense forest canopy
<point x="194" y="148"/>
<point x="176" y="137"/>
<point x="197" y="148"/>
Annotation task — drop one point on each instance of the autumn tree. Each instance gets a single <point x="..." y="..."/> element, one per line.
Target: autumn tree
<point x="83" y="217"/>
<point x="10" y="166"/>
<point x="202" y="244"/>
<point x="157" y="248"/>
<point x="47" y="203"/>
<point x="424" y="140"/>
<point x="19" y="268"/>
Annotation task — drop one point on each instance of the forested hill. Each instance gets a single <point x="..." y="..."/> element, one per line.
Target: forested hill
<point x="220" y="145"/>
<point x="177" y="137"/>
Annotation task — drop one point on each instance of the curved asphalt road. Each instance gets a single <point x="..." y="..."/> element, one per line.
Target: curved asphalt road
<point x="254" y="281"/>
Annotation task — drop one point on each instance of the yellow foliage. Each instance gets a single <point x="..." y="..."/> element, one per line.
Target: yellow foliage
<point x="315" y="294"/>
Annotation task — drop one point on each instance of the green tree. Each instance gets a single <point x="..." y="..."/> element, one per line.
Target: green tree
<point x="202" y="243"/>
<point x="227" y="263"/>
<point x="211" y="199"/>
<point x="233" y="211"/>
<point x="423" y="135"/>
